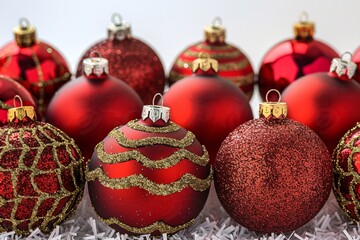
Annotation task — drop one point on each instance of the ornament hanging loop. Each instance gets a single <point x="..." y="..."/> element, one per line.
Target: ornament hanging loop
<point x="205" y="63"/>
<point x="161" y="98"/>
<point x="217" y="22"/>
<point x="156" y="112"/>
<point x="273" y="110"/>
<point x="19" y="99"/>
<point x="24" y="23"/>
<point x="95" y="56"/>
<point x="304" y="17"/>
<point x="116" y="19"/>
<point x="273" y="90"/>
<point x="343" y="66"/>
<point x="343" y="57"/>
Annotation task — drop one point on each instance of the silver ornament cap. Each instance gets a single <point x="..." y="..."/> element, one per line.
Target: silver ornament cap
<point x="118" y="29"/>
<point x="95" y="65"/>
<point x="156" y="112"/>
<point x="343" y="66"/>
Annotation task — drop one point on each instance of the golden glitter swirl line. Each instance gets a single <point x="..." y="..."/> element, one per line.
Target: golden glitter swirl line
<point x="129" y="143"/>
<point x="160" y="226"/>
<point x="4" y="105"/>
<point x="234" y="54"/>
<point x="172" y="127"/>
<point x="137" y="180"/>
<point x="201" y="46"/>
<point x="166" y="162"/>
<point x="53" y="81"/>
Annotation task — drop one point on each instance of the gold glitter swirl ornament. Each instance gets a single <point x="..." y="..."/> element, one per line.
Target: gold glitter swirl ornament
<point x="41" y="174"/>
<point x="273" y="174"/>
<point x="346" y="159"/>
<point x="149" y="176"/>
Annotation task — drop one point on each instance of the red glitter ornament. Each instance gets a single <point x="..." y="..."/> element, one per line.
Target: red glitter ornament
<point x="233" y="64"/>
<point x="325" y="102"/>
<point x="35" y="64"/>
<point x="130" y="59"/>
<point x="346" y="159"/>
<point x="293" y="58"/>
<point x="88" y="107"/>
<point x="356" y="59"/>
<point x="149" y="176"/>
<point x="209" y="106"/>
<point x="8" y="90"/>
<point x="273" y="174"/>
<point x="41" y="177"/>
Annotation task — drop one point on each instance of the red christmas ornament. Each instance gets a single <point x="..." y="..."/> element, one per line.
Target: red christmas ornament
<point x="130" y="59"/>
<point x="356" y="59"/>
<point x="294" y="58"/>
<point x="149" y="176"/>
<point x="346" y="159"/>
<point x="41" y="177"/>
<point x="35" y="64"/>
<point x="88" y="107"/>
<point x="209" y="106"/>
<point x="8" y="90"/>
<point x="325" y="102"/>
<point x="273" y="174"/>
<point x="233" y="64"/>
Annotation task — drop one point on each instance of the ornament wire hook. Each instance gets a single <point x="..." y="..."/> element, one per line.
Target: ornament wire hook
<point x="344" y="55"/>
<point x="24" y="23"/>
<point x="95" y="56"/>
<point x="273" y="90"/>
<point x="204" y="55"/>
<point x="117" y="19"/>
<point x="161" y="98"/>
<point x="19" y="99"/>
<point x="217" y="21"/>
<point x="304" y="17"/>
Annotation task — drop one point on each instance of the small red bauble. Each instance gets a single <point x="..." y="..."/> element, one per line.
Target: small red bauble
<point x="346" y="159"/>
<point x="209" y="106"/>
<point x="42" y="174"/>
<point x="149" y="176"/>
<point x="356" y="59"/>
<point x="8" y="90"/>
<point x="35" y="64"/>
<point x="273" y="174"/>
<point x="233" y="64"/>
<point x="88" y="107"/>
<point x="294" y="58"/>
<point x="325" y="102"/>
<point x="130" y="60"/>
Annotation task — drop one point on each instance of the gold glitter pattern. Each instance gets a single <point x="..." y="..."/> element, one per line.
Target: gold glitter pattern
<point x="137" y="180"/>
<point x="42" y="136"/>
<point x="166" y="162"/>
<point x="172" y="127"/>
<point x="4" y="106"/>
<point x="233" y="66"/>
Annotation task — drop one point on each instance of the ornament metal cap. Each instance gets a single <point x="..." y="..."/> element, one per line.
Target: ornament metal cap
<point x="205" y="63"/>
<point x="19" y="113"/>
<point x="215" y="33"/>
<point x="156" y="112"/>
<point x="273" y="110"/>
<point x="95" y="65"/>
<point x="118" y="29"/>
<point x="343" y="67"/>
<point x="304" y="29"/>
<point x="25" y="33"/>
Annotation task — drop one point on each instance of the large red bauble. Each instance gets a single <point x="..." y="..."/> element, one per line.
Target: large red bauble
<point x="233" y="64"/>
<point x="346" y="159"/>
<point x="130" y="60"/>
<point x="273" y="175"/>
<point x="8" y="90"/>
<point x="42" y="174"/>
<point x="293" y="58"/>
<point x="88" y="107"/>
<point x="149" y="177"/>
<point x="38" y="66"/>
<point x="356" y="59"/>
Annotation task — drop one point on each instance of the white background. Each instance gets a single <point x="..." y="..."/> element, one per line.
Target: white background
<point x="171" y="25"/>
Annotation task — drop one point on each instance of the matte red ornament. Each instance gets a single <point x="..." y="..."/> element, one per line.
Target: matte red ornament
<point x="42" y="174"/>
<point x="326" y="102"/>
<point x="8" y="90"/>
<point x="88" y="107"/>
<point x="293" y="58"/>
<point x="130" y="60"/>
<point x="38" y="66"/>
<point x="208" y="105"/>
<point x="149" y="176"/>
<point x="356" y="59"/>
<point x="233" y="63"/>
<point x="273" y="174"/>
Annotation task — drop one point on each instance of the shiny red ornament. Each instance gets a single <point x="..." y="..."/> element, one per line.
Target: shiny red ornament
<point x="346" y="159"/>
<point x="273" y="174"/>
<point x="130" y="59"/>
<point x="233" y="64"/>
<point x="356" y="59"/>
<point x="209" y="106"/>
<point x="328" y="103"/>
<point x="8" y="90"/>
<point x="149" y="176"/>
<point x="42" y="174"/>
<point x="38" y="66"/>
<point x="293" y="58"/>
<point x="88" y="107"/>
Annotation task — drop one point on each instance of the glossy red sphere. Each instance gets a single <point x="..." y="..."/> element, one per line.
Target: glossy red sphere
<point x="326" y="104"/>
<point x="356" y="59"/>
<point x="88" y="108"/>
<point x="140" y="183"/>
<point x="291" y="59"/>
<point x="209" y="106"/>
<point x="40" y="68"/>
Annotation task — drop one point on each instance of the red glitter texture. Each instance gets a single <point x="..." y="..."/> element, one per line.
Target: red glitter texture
<point x="273" y="175"/>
